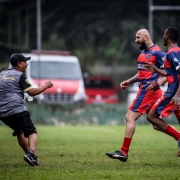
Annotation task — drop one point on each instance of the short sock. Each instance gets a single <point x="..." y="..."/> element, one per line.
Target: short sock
<point x="173" y="132"/>
<point x="32" y="151"/>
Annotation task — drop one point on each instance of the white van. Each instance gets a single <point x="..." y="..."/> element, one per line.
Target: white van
<point x="65" y="73"/>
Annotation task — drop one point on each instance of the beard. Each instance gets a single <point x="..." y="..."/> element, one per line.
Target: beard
<point x="165" y="42"/>
<point x="142" y="46"/>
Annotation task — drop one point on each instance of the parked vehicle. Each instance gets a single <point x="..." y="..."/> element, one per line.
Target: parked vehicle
<point x="65" y="73"/>
<point x="100" y="90"/>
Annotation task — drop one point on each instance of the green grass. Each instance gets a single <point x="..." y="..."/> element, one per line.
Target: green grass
<point x="78" y="153"/>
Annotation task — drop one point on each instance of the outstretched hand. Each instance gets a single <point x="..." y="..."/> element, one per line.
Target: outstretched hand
<point x="49" y="84"/>
<point x="124" y="85"/>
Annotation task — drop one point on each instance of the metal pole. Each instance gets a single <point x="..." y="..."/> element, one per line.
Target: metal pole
<point x="27" y="29"/>
<point x="39" y="38"/>
<point x="39" y="26"/>
<point x="10" y="27"/>
<point x="150" y="22"/>
<point x="153" y="8"/>
<point x="163" y="8"/>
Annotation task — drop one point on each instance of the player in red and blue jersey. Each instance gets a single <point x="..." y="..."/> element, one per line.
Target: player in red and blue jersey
<point x="144" y="99"/>
<point x="164" y="105"/>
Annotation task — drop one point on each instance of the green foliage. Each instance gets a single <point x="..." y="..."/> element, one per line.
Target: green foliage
<point x="4" y="66"/>
<point x="98" y="32"/>
<point x="78" y="153"/>
<point x="54" y="43"/>
<point x="3" y="20"/>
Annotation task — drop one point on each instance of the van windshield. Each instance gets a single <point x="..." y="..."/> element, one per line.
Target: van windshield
<point x="54" y="70"/>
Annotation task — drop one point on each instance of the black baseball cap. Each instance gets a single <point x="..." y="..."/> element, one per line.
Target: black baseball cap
<point x="18" y="57"/>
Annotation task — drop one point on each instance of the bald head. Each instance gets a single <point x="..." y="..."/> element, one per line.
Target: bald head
<point x="143" y="32"/>
<point x="143" y="39"/>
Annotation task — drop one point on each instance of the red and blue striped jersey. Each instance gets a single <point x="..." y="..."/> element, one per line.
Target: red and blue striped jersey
<point x="171" y="66"/>
<point x="154" y="55"/>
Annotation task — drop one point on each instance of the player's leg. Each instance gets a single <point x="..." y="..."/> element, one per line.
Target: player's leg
<point x="153" y="117"/>
<point x="141" y="104"/>
<point x="158" y="129"/>
<point x="12" y="122"/>
<point x="122" y="154"/>
<point x="32" y="141"/>
<point x="177" y="114"/>
<point x="23" y="142"/>
<point x="131" y="118"/>
<point x="30" y="133"/>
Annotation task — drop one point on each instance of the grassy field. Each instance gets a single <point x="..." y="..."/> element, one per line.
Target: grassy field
<point x="78" y="153"/>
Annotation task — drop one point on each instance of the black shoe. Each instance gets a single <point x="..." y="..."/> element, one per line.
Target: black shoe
<point x="117" y="155"/>
<point x="31" y="159"/>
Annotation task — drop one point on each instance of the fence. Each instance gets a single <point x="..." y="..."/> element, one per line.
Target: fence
<point x="83" y="115"/>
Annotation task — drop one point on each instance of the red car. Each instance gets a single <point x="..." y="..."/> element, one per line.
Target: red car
<point x="100" y="90"/>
